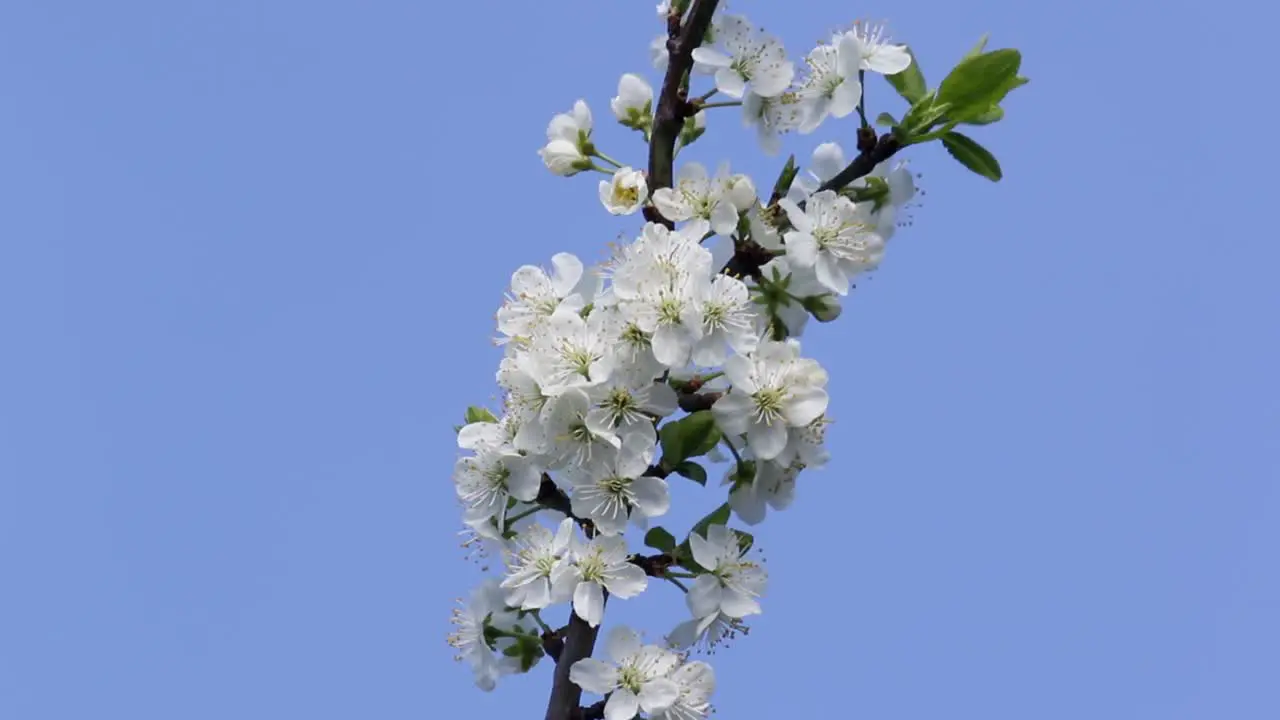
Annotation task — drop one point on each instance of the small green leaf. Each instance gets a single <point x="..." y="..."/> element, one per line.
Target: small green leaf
<point x="922" y="116"/>
<point x="785" y="178"/>
<point x="745" y="541"/>
<point x="477" y="414"/>
<point x="693" y="471"/>
<point x="886" y="120"/>
<point x="972" y="155"/>
<point x="976" y="82"/>
<point x="690" y="436"/>
<point x="910" y="82"/>
<point x="977" y="49"/>
<point x="995" y="114"/>
<point x="659" y="539"/>
<point x="719" y="516"/>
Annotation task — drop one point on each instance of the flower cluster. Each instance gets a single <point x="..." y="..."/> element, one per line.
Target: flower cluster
<point x="598" y="360"/>
<point x="682" y="349"/>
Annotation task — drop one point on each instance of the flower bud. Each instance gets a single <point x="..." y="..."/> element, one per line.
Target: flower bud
<point x="824" y="308"/>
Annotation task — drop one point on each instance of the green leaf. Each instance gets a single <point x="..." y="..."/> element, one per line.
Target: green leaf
<point x="972" y="155"/>
<point x="477" y="414"/>
<point x="688" y="437"/>
<point x="910" y="82"/>
<point x="977" y="82"/>
<point x="977" y="49"/>
<point x="719" y="516"/>
<point x="886" y="120"/>
<point x="659" y="539"/>
<point x="785" y="178"/>
<point x="745" y="541"/>
<point x="995" y="114"/>
<point x="693" y="471"/>
<point x="922" y="116"/>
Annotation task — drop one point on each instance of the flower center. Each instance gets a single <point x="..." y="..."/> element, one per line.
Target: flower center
<point x="592" y="568"/>
<point x="623" y="195"/>
<point x="769" y="404"/>
<point x="631" y="678"/>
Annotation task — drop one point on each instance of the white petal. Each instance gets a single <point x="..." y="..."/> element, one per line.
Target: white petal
<point x="733" y="411"/>
<point x="588" y="602"/>
<point x="747" y="504"/>
<point x="621" y="643"/>
<point x="845" y="99"/>
<point x="767" y="440"/>
<point x="889" y="60"/>
<point x="704" y="596"/>
<point x="568" y="271"/>
<point x="805" y="405"/>
<point x="741" y="374"/>
<point x="594" y="676"/>
<point x="652" y="497"/>
<point x="622" y="705"/>
<point x="704" y="552"/>
<point x="802" y="249"/>
<point x="831" y="275"/>
<point x="737" y="604"/>
<point x="627" y="581"/>
<point x="849" y="55"/>
<point x="724" y="218"/>
<point x="658" y="694"/>
<point x="711" y="57"/>
<point x="730" y="83"/>
<point x="671" y="345"/>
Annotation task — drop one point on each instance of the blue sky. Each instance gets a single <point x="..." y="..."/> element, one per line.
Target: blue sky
<point x="249" y="256"/>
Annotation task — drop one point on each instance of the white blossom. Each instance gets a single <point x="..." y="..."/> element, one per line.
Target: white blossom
<point x="869" y="44"/>
<point x="637" y="679"/>
<point x="773" y="389"/>
<point x="633" y="105"/>
<point x="536" y="295"/>
<point x="484" y="481"/>
<point x="625" y="193"/>
<point x="601" y="564"/>
<point x="697" y="195"/>
<point x="731" y="584"/>
<point x="832" y="86"/>
<point x="486" y="604"/>
<point x="773" y="485"/>
<point x="749" y="56"/>
<point x="772" y="117"/>
<point x="567" y="138"/>
<point x="834" y="236"/>
<point x="534" y="555"/>
<point x="609" y="498"/>
<point x="696" y="681"/>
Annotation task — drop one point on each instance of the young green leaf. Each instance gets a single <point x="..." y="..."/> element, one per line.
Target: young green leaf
<point x="693" y="471"/>
<point x="977" y="82"/>
<point x="478" y="414"/>
<point x="977" y="49"/>
<point x="972" y="155"/>
<point x="659" y="539"/>
<point x="745" y="541"/>
<point x="884" y="119"/>
<point x="785" y="178"/>
<point x="910" y="82"/>
<point x="688" y="437"/>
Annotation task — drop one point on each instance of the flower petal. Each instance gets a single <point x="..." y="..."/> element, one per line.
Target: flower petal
<point x="588" y="602"/>
<point x="622" y="705"/>
<point x="594" y="676"/>
<point x="658" y="695"/>
<point x="621" y="643"/>
<point x="704" y="596"/>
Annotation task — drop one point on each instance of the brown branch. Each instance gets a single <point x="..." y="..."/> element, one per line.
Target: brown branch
<point x="653" y="565"/>
<point x="673" y="102"/>
<point x="748" y="257"/>
<point x="673" y="107"/>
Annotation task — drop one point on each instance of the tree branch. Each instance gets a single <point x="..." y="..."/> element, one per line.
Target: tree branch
<point x="673" y="108"/>
<point x="748" y="257"/>
<point x="673" y="102"/>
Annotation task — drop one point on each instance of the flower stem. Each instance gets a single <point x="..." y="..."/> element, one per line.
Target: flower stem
<point x="676" y="582"/>
<point x="607" y="159"/>
<point x="733" y="451"/>
<point x="707" y="95"/>
<point x="522" y="515"/>
<point x="725" y="103"/>
<point x="685" y="575"/>
<point x="862" y="98"/>
<point x="538" y="617"/>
